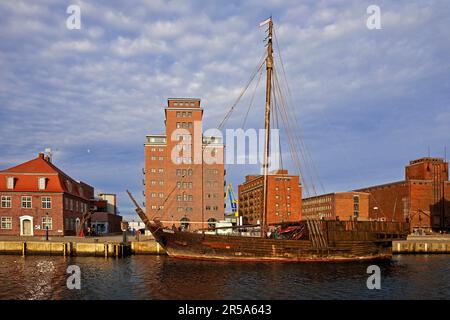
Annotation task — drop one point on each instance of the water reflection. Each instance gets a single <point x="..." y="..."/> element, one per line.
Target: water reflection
<point x="159" y="277"/>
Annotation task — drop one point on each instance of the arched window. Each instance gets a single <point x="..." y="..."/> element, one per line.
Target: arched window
<point x="212" y="222"/>
<point x="184" y="222"/>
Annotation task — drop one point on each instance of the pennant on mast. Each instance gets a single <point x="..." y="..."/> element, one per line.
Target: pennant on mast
<point x="265" y="22"/>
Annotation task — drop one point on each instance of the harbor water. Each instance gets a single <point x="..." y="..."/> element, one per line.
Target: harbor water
<point x="161" y="277"/>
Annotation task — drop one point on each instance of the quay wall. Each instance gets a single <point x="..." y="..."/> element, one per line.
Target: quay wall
<point x="80" y="248"/>
<point x="146" y="247"/>
<point x="421" y="246"/>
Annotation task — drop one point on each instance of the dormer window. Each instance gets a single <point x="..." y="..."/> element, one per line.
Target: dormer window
<point x="80" y="191"/>
<point x="69" y="186"/>
<point x="10" y="183"/>
<point x="42" y="183"/>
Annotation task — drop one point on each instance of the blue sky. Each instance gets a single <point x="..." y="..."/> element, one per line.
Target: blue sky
<point x="367" y="101"/>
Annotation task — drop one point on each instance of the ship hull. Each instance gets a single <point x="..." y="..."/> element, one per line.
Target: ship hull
<point x="198" y="246"/>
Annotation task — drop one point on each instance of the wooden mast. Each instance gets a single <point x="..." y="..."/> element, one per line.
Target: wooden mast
<point x="269" y="66"/>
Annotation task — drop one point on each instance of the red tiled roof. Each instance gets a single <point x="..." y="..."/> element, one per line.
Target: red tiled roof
<point x="28" y="173"/>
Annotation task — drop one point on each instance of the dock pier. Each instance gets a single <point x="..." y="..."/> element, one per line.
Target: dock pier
<point x="422" y="245"/>
<point x="75" y="246"/>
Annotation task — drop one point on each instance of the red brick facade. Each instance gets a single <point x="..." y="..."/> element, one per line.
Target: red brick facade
<point x="422" y="198"/>
<point x="284" y="201"/>
<point x="341" y="205"/>
<point x="175" y="180"/>
<point x="36" y="194"/>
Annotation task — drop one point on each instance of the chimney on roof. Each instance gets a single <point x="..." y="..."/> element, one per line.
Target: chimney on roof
<point x="41" y="155"/>
<point x="47" y="158"/>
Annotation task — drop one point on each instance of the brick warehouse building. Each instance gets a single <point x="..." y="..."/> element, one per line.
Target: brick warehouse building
<point x="176" y="175"/>
<point x="423" y="198"/>
<point x="284" y="201"/>
<point x="341" y="205"/>
<point x="37" y="194"/>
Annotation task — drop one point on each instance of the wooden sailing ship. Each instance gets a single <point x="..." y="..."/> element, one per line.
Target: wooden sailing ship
<point x="310" y="240"/>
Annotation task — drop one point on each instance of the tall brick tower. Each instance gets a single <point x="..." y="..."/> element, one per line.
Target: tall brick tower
<point x="183" y="185"/>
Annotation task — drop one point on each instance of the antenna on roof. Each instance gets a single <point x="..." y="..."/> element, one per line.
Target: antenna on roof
<point x="49" y="153"/>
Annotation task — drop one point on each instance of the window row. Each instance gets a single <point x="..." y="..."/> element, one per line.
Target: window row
<point x="26" y="202"/>
<point x="160" y="158"/>
<point x="187" y="209"/>
<point x="160" y="195"/>
<point x="74" y="205"/>
<point x="210" y="184"/>
<point x="185" y="160"/>
<point x="159" y="170"/>
<point x="183" y="172"/>
<point x="154" y="207"/>
<point x="159" y="149"/>
<point x="184" y="185"/>
<point x="11" y="183"/>
<point x="160" y="182"/>
<point x="184" y="113"/>
<point x="6" y="223"/>
<point x="184" y="125"/>
<point x="184" y="104"/>
<point x="185" y="197"/>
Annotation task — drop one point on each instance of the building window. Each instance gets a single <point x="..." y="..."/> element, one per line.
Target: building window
<point x="161" y="195"/>
<point x="153" y="194"/>
<point x="183" y="114"/>
<point x="11" y="183"/>
<point x="153" y="149"/>
<point x="6" y="223"/>
<point x="178" y="114"/>
<point x="47" y="222"/>
<point x="189" y="114"/>
<point x="26" y="202"/>
<point x="69" y="186"/>
<point x="46" y="202"/>
<point x="178" y="125"/>
<point x="42" y="183"/>
<point x="160" y="170"/>
<point x="189" y="125"/>
<point x="356" y="206"/>
<point x="6" y="202"/>
<point x="161" y="158"/>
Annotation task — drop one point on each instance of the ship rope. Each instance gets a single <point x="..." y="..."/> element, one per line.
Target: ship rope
<point x="168" y="201"/>
<point x="309" y="161"/>
<point x="305" y="166"/>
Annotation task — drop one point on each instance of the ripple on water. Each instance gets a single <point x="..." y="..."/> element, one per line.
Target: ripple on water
<point x="159" y="277"/>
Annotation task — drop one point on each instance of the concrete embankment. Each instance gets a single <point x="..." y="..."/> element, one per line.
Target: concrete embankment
<point x="70" y="246"/>
<point x="423" y="244"/>
<point x="146" y="247"/>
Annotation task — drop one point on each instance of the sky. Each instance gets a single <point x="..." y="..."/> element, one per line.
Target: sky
<point x="365" y="102"/>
